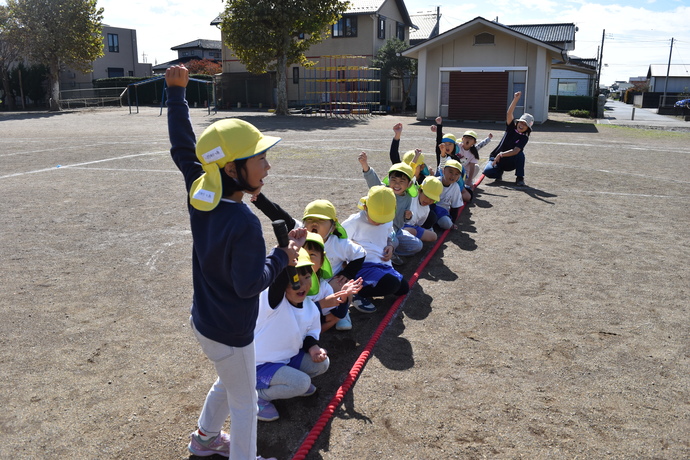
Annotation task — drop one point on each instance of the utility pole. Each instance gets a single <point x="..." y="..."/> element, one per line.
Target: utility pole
<point x="595" y="93"/>
<point x="668" y="70"/>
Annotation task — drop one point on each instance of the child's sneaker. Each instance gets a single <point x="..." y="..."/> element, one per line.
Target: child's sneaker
<point x="344" y="324"/>
<point x="397" y="260"/>
<point x="363" y="304"/>
<point x="220" y="445"/>
<point x="267" y="411"/>
<point x="310" y="391"/>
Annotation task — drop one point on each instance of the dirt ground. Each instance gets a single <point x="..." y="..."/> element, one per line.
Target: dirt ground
<point x="552" y="324"/>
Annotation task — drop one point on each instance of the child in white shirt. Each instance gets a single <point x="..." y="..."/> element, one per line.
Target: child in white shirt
<point x="372" y="228"/>
<point x="286" y="337"/>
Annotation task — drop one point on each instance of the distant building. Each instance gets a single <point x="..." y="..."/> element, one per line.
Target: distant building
<point x="120" y="59"/>
<point x="196" y="49"/>
<point x="472" y="71"/>
<point x="427" y="24"/>
<point x="678" y="78"/>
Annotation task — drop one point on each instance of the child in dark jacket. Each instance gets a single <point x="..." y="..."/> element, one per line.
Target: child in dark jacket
<point x="229" y="263"/>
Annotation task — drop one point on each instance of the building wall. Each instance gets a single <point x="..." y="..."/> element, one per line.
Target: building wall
<point x="565" y="82"/>
<point x="675" y="84"/>
<point x="524" y="59"/>
<point x="125" y="58"/>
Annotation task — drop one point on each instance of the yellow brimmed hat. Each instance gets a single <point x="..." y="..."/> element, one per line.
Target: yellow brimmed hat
<point x="403" y="168"/>
<point x="379" y="203"/>
<point x="222" y="142"/>
<point x="454" y="164"/>
<point x="324" y="209"/>
<point x="432" y="187"/>
<point x="449" y="138"/>
<point x="409" y="156"/>
<point x="326" y="271"/>
<point x="471" y="134"/>
<point x="303" y="259"/>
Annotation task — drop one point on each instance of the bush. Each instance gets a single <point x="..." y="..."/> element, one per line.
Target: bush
<point x="579" y="113"/>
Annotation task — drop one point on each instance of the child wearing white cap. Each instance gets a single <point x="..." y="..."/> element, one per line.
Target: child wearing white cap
<point x="228" y="161"/>
<point x="509" y="155"/>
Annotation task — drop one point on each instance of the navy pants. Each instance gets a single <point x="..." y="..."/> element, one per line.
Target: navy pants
<point x="516" y="162"/>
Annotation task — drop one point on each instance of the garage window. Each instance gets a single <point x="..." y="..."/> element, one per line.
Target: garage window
<point x="484" y="39"/>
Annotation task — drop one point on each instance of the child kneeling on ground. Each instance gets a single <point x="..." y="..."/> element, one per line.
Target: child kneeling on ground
<point x="286" y="338"/>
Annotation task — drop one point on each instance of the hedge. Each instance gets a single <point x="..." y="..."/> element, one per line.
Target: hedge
<point x="567" y="103"/>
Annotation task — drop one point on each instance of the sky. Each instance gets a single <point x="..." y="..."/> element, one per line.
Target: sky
<point x="637" y="32"/>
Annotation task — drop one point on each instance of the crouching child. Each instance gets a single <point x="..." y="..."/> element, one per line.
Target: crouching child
<point x="286" y="337"/>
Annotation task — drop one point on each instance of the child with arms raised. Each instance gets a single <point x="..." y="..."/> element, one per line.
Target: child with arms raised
<point x="287" y="331"/>
<point x="399" y="180"/>
<point x="346" y="256"/>
<point x="229" y="264"/>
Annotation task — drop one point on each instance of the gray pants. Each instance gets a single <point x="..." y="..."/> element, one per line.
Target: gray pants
<point x="289" y="382"/>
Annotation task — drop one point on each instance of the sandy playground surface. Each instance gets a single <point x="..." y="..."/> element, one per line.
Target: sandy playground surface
<point x="553" y="324"/>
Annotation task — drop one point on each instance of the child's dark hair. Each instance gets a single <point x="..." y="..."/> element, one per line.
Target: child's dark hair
<point x="304" y="270"/>
<point x="399" y="174"/>
<point x="474" y="152"/>
<point x="232" y="185"/>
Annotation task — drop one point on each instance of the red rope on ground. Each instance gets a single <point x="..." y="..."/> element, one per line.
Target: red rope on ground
<point x="356" y="369"/>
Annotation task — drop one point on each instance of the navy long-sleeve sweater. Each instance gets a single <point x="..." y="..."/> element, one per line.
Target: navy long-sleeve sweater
<point x="229" y="263"/>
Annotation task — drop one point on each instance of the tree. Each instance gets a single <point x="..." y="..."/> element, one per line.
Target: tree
<point x="9" y="52"/>
<point x="203" y="66"/>
<point x="266" y="35"/>
<point x="393" y="66"/>
<point x="59" y="32"/>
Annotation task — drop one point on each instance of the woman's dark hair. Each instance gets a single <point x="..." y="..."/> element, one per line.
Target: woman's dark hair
<point x="232" y="185"/>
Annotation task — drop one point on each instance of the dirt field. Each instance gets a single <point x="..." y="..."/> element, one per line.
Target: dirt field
<point x="553" y="324"/>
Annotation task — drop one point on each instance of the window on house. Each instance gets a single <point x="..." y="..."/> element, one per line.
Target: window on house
<point x="295" y="75"/>
<point x="345" y="27"/>
<point x="113" y="43"/>
<point x="400" y="31"/>
<point x="382" y="27"/>
<point x="484" y="39"/>
<point x="131" y="73"/>
<point x="116" y="72"/>
<point x="567" y="88"/>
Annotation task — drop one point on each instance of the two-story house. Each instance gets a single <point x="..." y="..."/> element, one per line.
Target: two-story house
<point x="340" y="60"/>
<point x="196" y="49"/>
<point x="120" y="59"/>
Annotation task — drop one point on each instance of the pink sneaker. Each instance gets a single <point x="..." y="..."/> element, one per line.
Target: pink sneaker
<point x="220" y="445"/>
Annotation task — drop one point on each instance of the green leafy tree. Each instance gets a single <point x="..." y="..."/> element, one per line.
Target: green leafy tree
<point x="269" y="34"/>
<point x="9" y="53"/>
<point x="59" y="32"/>
<point x="396" y="67"/>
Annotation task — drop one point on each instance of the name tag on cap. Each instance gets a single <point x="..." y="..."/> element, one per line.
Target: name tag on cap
<point x="213" y="155"/>
<point x="204" y="195"/>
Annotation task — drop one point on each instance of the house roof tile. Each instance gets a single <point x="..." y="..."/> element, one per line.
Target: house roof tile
<point x="200" y="43"/>
<point x="549" y="33"/>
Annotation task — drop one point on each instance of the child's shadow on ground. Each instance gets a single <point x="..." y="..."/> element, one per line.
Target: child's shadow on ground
<point x="393" y="351"/>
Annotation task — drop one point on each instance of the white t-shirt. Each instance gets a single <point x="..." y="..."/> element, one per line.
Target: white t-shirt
<point x="325" y="290"/>
<point x="451" y="197"/>
<point x="419" y="213"/>
<point x="373" y="238"/>
<point x="341" y="251"/>
<point x="279" y="333"/>
<point x="466" y="157"/>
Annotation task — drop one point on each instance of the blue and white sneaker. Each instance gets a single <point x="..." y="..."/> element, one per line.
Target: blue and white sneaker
<point x="344" y="324"/>
<point x="363" y="304"/>
<point x="267" y="411"/>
